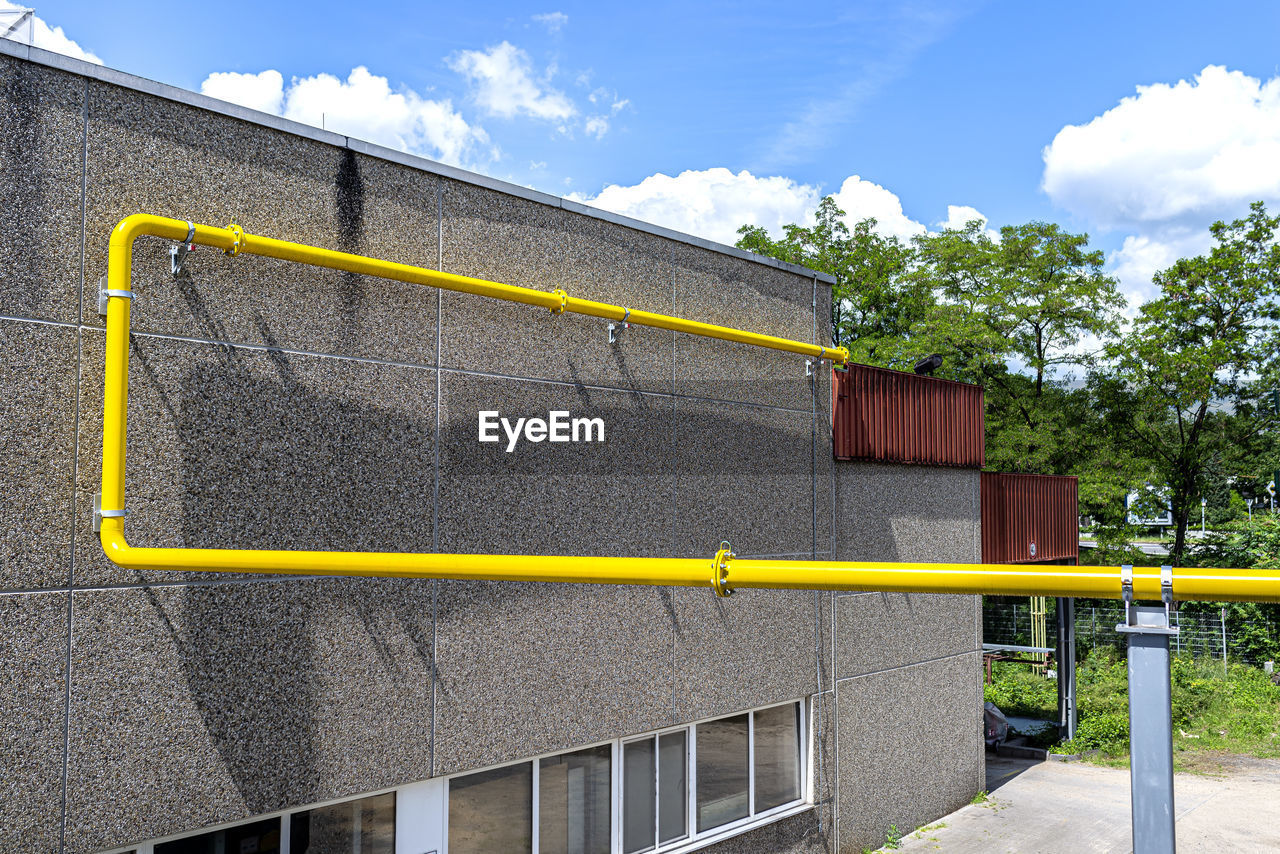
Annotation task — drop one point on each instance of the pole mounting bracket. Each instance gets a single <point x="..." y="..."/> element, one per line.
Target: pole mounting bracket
<point x="1166" y="592"/>
<point x="178" y="252"/>
<point x="617" y="326"/>
<point x="105" y="293"/>
<point x="812" y="366"/>
<point x="1126" y="592"/>
<point x="720" y="570"/>
<point x="99" y="514"/>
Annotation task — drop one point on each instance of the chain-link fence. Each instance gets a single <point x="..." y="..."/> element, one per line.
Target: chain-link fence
<point x="1205" y="634"/>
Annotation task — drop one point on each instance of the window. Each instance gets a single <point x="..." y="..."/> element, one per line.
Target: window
<point x="776" y="733"/>
<point x="724" y="783"/>
<point x="366" y="826"/>
<point x="492" y="811"/>
<point x="575" y="798"/>
<point x="259" y="837"/>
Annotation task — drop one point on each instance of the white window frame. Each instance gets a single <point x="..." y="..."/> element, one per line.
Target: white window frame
<point x="422" y="808"/>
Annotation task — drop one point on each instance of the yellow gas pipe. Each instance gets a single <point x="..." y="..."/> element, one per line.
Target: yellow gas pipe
<point x="724" y="573"/>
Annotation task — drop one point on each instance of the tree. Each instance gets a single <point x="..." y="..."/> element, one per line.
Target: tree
<point x="1180" y="378"/>
<point x="873" y="303"/>
<point x="1012" y="314"/>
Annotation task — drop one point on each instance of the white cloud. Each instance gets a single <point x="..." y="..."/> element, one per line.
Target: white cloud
<point x="711" y="203"/>
<point x="553" y="21"/>
<point x="1142" y="256"/>
<point x="1186" y="153"/>
<point x="363" y="106"/>
<point x="596" y="126"/>
<point x="714" y="203"/>
<point x="504" y="85"/>
<point x="1165" y="163"/>
<point x="263" y="91"/>
<point x="35" y="31"/>
<point x="861" y="199"/>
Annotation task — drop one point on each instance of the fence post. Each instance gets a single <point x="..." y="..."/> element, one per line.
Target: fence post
<point x="1223" y="617"/>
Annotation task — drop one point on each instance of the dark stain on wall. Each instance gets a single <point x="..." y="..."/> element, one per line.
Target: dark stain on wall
<point x="349" y="196"/>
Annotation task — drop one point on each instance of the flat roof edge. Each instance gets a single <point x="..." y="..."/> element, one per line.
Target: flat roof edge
<point x="105" y="74"/>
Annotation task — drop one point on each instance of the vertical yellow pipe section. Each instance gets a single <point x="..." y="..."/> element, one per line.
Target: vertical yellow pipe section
<point x="115" y="404"/>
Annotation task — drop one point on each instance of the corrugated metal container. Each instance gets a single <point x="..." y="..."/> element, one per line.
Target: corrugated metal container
<point x="1029" y="518"/>
<point x="895" y="417"/>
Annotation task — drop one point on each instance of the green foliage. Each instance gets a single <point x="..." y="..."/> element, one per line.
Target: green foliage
<point x="893" y="837"/>
<point x="1180" y="402"/>
<point x="1238" y="711"/>
<point x="1018" y="691"/>
<point x="981" y="798"/>
<point x="1105" y="731"/>
<point x="873" y="303"/>
<point x="1176" y="382"/>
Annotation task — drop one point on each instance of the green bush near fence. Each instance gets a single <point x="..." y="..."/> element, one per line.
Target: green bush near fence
<point x="1237" y="711"/>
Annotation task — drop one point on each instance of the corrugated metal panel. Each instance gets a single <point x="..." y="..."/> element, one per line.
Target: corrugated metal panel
<point x="1019" y="510"/>
<point x="896" y="417"/>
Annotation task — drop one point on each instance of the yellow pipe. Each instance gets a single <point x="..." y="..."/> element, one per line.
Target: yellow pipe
<point x="723" y="573"/>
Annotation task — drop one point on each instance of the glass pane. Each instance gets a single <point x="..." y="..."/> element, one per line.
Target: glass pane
<point x="673" y="798"/>
<point x="333" y="829"/>
<point x="259" y="837"/>
<point x="492" y="811"/>
<point x="574" y="793"/>
<point x="777" y="733"/>
<point x="722" y="772"/>
<point x="637" y="796"/>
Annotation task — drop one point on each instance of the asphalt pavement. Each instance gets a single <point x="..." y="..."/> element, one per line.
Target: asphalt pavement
<point x="1063" y="808"/>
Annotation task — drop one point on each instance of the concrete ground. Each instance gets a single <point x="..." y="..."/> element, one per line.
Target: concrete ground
<point x="1052" y="807"/>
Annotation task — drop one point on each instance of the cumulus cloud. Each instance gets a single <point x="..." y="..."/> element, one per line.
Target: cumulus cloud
<point x="1166" y="162"/>
<point x="861" y="199"/>
<point x="711" y="203"/>
<point x="714" y="203"/>
<point x="504" y="85"/>
<point x="263" y="91"/>
<point x="35" y="31"/>
<point x="553" y="21"/>
<point x="1180" y="152"/>
<point x="363" y="106"/>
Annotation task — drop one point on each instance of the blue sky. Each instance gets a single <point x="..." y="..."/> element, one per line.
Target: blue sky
<point x="918" y="113"/>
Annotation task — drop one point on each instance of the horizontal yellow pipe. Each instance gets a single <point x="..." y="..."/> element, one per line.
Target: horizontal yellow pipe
<point x="1094" y="582"/>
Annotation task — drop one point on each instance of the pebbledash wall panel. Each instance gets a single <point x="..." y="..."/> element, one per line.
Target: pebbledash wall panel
<point x="888" y="416"/>
<point x="273" y="405"/>
<point x="1029" y="518"/>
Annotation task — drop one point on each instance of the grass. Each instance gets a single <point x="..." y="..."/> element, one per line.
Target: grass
<point x="1236" y="713"/>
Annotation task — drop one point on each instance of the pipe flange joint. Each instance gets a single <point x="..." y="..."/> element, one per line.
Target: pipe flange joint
<point x="238" y="239"/>
<point x="840" y="355"/>
<point x="720" y="570"/>
<point x="564" y="301"/>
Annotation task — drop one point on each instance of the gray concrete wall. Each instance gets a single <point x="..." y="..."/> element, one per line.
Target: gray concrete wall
<point x="905" y="686"/>
<point x="277" y="406"/>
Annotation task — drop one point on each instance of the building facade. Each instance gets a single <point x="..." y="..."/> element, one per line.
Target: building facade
<point x="278" y="406"/>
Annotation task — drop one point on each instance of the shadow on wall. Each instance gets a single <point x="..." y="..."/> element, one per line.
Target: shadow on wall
<point x="272" y="463"/>
<point x="275" y="464"/>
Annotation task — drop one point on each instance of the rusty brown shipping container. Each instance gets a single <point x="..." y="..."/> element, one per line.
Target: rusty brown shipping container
<point x="1029" y="518"/>
<point x="895" y="417"/>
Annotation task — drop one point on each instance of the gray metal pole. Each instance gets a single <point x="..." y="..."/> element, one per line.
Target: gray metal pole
<point x="1222" y="615"/>
<point x="1067" y="718"/>
<point x="1150" y="718"/>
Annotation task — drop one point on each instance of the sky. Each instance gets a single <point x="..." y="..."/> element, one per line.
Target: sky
<point x="1138" y="123"/>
